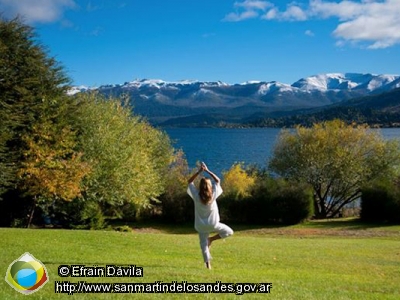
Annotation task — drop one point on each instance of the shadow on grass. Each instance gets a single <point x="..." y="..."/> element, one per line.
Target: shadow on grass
<point x="321" y="225"/>
<point x="157" y="226"/>
<point x="101" y="264"/>
<point x="344" y="223"/>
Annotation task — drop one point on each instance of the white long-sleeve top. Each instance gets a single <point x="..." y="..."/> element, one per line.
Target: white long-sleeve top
<point x="206" y="217"/>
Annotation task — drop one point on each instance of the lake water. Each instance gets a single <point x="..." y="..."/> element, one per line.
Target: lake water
<point x="220" y="148"/>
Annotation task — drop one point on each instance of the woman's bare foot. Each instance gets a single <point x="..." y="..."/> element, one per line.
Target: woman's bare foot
<point x="208" y="265"/>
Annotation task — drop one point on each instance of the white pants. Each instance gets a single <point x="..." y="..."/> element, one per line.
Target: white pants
<point x="223" y="231"/>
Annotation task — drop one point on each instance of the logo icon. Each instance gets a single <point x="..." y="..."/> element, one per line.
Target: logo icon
<point x="26" y="274"/>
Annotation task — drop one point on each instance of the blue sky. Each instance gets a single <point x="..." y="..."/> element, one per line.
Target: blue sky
<point x="114" y="41"/>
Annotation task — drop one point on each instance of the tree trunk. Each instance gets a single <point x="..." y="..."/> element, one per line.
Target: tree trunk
<point x="31" y="215"/>
<point x="319" y="208"/>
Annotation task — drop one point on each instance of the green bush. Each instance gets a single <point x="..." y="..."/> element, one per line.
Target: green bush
<point x="272" y="201"/>
<point x="175" y="205"/>
<point x="179" y="209"/>
<point x="292" y="202"/>
<point x="380" y="201"/>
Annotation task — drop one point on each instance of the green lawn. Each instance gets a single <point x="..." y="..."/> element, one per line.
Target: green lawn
<point x="317" y="260"/>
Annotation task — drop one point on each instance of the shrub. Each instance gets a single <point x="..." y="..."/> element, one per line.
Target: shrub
<point x="380" y="201"/>
<point x="175" y="204"/>
<point x="237" y="182"/>
<point x="292" y="202"/>
<point x="124" y="228"/>
<point x="271" y="201"/>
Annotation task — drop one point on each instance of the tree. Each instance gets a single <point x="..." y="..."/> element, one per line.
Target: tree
<point x="51" y="168"/>
<point x="176" y="205"/>
<point x="128" y="158"/>
<point x="84" y="155"/>
<point x="7" y="170"/>
<point x="335" y="159"/>
<point x="237" y="183"/>
<point x="28" y="80"/>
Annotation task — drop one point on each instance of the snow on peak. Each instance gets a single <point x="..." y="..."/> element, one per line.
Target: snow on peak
<point x="215" y="83"/>
<point x="315" y="83"/>
<point x="250" y="82"/>
<point x="343" y="81"/>
<point x="184" y="82"/>
<point x="152" y="82"/>
<point x="78" y="89"/>
<point x="321" y="82"/>
<point x="380" y="80"/>
<point x="157" y="83"/>
<point x="273" y="86"/>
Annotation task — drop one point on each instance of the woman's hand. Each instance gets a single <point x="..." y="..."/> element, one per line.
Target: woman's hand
<point x="205" y="169"/>
<point x="193" y="177"/>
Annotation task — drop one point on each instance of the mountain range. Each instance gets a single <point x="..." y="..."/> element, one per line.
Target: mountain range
<point x="200" y="103"/>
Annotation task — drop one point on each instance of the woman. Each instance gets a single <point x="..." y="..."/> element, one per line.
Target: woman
<point x="206" y="214"/>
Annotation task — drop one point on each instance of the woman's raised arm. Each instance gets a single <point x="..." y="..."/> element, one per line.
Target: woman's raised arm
<point x="215" y="177"/>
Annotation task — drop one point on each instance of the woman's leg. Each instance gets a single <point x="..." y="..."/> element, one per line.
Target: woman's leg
<point x="213" y="238"/>
<point x="223" y="231"/>
<point x="205" y="251"/>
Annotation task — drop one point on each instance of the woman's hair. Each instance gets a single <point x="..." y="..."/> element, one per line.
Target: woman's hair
<point x="205" y="190"/>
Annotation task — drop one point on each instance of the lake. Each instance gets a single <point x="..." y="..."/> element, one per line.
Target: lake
<point x="220" y="148"/>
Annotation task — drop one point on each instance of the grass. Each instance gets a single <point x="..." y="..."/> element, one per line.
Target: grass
<point x="317" y="260"/>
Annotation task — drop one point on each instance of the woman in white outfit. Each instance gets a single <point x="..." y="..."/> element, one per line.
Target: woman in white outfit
<point x="206" y="214"/>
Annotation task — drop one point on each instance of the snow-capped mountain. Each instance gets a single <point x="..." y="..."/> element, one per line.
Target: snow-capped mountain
<point x="347" y="81"/>
<point x="159" y="100"/>
<point x="78" y="89"/>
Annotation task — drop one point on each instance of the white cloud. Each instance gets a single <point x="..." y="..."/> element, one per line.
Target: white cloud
<point x="342" y="10"/>
<point x="376" y="23"/>
<point x="208" y="35"/>
<point x="271" y="14"/>
<point x="294" y="13"/>
<point x="97" y="31"/>
<point x="309" y="33"/>
<point x="253" y="4"/>
<point x="248" y="9"/>
<point x="372" y="22"/>
<point x="236" y="17"/>
<point x="32" y="11"/>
